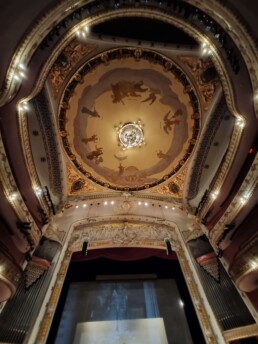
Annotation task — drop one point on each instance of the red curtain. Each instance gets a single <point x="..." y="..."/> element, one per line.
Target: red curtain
<point x="123" y="254"/>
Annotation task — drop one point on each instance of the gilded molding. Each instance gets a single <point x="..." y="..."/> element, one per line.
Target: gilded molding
<point x="243" y="195"/>
<point x="245" y="262"/>
<point x="124" y="234"/>
<point x="13" y="195"/>
<point x="73" y="53"/>
<point x="241" y="333"/>
<point x="175" y="186"/>
<point x="26" y="148"/>
<point x="10" y="273"/>
<point x="84" y="186"/>
<point x="76" y="235"/>
<point x="197" y="66"/>
<point x="225" y="80"/>
<point x="246" y="45"/>
<point x="196" y="298"/>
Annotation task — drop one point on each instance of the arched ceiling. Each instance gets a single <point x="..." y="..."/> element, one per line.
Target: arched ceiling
<point x="84" y="86"/>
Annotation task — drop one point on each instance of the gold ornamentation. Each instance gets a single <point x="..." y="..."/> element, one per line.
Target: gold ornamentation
<point x="10" y="188"/>
<point x="125" y="234"/>
<point x="196" y="297"/>
<point x="86" y="186"/>
<point x="197" y="67"/>
<point x="71" y="54"/>
<point x="10" y="273"/>
<point x="247" y="188"/>
<point x="241" y="333"/>
<point x="176" y="184"/>
<point x="245" y="263"/>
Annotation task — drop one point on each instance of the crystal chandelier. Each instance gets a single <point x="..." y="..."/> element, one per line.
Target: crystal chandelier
<point x="130" y="135"/>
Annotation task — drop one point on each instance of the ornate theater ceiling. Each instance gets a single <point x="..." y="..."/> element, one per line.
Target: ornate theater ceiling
<point x="129" y="94"/>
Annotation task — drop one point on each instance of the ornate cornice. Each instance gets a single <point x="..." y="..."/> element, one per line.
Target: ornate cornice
<point x="10" y="272"/>
<point x="203" y="149"/>
<point x="125" y="233"/>
<point x="249" y="331"/>
<point x="241" y="198"/>
<point x="48" y="129"/>
<point x="190" y="281"/>
<point x="78" y="184"/>
<point x="13" y="195"/>
<point x="71" y="55"/>
<point x="197" y="66"/>
<point x="175" y="186"/>
<point x="245" y="265"/>
<point x="117" y="54"/>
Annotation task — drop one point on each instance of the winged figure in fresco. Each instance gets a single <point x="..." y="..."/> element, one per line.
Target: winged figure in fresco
<point x="169" y="121"/>
<point x="93" y="138"/>
<point x="123" y="89"/>
<point x="89" y="112"/>
<point x="95" y="154"/>
<point x="152" y="96"/>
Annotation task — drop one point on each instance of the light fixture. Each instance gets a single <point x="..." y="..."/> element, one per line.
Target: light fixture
<point x="240" y="122"/>
<point x="13" y="196"/>
<point x="83" y="31"/>
<point x="139" y="203"/>
<point x="168" y="247"/>
<point x="38" y="191"/>
<point x="19" y="72"/>
<point x="105" y="203"/>
<point x="166" y="206"/>
<point x="146" y="204"/>
<point x="76" y="206"/>
<point x="130" y="135"/>
<point x="173" y="208"/>
<point x="84" y="205"/>
<point x="112" y="202"/>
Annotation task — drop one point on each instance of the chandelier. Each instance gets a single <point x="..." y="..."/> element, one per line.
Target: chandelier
<point x="130" y="135"/>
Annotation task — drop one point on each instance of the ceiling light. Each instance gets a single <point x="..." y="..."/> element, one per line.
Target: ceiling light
<point x="240" y="122"/>
<point x="181" y="303"/>
<point x="214" y="194"/>
<point x="105" y="203"/>
<point x="38" y="191"/>
<point x="146" y="204"/>
<point x="166" y="206"/>
<point x="84" y="205"/>
<point x="173" y="208"/>
<point x="130" y="135"/>
<point x="76" y="206"/>
<point x="13" y="196"/>
<point x="139" y="203"/>
<point x="112" y="202"/>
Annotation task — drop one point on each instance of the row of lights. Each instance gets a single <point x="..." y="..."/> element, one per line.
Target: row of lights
<point x="146" y="204"/>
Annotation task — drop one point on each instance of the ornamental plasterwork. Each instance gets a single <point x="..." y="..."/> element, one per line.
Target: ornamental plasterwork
<point x="175" y="186"/>
<point x="77" y="185"/>
<point x="71" y="55"/>
<point x="221" y="14"/>
<point x="241" y="198"/>
<point x="13" y="195"/>
<point x="124" y="234"/>
<point x="197" y="66"/>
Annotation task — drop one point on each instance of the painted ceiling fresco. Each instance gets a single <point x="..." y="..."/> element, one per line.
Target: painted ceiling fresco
<point x="129" y="86"/>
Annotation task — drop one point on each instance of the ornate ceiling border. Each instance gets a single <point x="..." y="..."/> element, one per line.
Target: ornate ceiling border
<point x="12" y="194"/>
<point x="137" y="53"/>
<point x="192" y="31"/>
<point x="244" y="193"/>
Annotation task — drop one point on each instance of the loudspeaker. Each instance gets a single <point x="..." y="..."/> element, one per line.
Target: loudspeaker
<point x="168" y="247"/>
<point x="85" y="248"/>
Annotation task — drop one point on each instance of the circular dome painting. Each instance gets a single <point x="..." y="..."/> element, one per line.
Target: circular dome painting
<point x="129" y="119"/>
